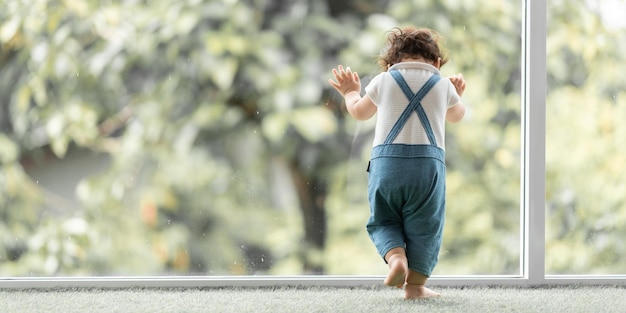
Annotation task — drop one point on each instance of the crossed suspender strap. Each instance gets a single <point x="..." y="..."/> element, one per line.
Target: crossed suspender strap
<point x="414" y="105"/>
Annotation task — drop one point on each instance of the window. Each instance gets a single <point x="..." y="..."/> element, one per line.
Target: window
<point x="204" y="147"/>
<point x="585" y="185"/>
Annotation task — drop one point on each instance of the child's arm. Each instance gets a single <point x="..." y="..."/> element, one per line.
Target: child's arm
<point x="456" y="113"/>
<point x="348" y="85"/>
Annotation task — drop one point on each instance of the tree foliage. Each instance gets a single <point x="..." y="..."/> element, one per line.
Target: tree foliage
<point x="585" y="157"/>
<point x="227" y="153"/>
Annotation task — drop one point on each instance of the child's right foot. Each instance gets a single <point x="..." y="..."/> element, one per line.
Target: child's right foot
<point x="419" y="292"/>
<point x="398" y="269"/>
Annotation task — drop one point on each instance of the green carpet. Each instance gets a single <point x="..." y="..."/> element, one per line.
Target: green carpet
<point x="315" y="299"/>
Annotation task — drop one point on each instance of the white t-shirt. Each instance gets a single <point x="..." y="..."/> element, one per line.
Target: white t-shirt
<point x="391" y="102"/>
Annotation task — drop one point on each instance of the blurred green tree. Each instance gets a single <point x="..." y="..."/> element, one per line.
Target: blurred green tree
<point x="195" y="102"/>
<point x="229" y="154"/>
<point x="585" y="156"/>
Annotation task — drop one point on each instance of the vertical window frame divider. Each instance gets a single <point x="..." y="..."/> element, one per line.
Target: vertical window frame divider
<point x="534" y="61"/>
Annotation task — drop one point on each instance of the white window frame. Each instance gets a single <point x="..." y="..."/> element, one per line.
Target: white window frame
<point x="532" y="217"/>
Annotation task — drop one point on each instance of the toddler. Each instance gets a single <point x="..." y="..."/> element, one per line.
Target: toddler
<point x="407" y="173"/>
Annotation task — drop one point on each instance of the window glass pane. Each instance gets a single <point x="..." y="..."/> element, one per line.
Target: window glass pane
<point x="585" y="153"/>
<point x="202" y="137"/>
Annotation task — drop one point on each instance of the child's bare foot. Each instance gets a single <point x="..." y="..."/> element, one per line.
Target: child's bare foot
<point x="419" y="292"/>
<point x="398" y="268"/>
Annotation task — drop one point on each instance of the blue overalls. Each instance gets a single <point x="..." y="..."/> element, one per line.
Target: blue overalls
<point x="406" y="189"/>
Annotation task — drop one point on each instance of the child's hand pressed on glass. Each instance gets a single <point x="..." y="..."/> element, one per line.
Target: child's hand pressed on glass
<point x="348" y="84"/>
<point x="345" y="80"/>
<point x="459" y="83"/>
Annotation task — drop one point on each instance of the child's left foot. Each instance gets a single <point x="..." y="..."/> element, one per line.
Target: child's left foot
<point x="398" y="268"/>
<point x="419" y="292"/>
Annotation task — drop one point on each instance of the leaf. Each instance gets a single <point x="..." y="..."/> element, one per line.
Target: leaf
<point x="186" y="22"/>
<point x="9" y="151"/>
<point x="59" y="146"/>
<point x="314" y="123"/>
<point x="23" y="99"/>
<point x="274" y="126"/>
<point x="9" y="29"/>
<point x="223" y="75"/>
<point x="55" y="125"/>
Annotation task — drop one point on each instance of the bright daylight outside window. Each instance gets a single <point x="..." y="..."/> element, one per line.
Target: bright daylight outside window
<point x="202" y="137"/>
<point x="585" y="151"/>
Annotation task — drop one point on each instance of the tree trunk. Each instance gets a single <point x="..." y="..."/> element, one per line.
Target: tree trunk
<point x="312" y="193"/>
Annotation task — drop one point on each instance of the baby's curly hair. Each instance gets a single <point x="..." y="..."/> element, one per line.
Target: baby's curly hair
<point x="411" y="42"/>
